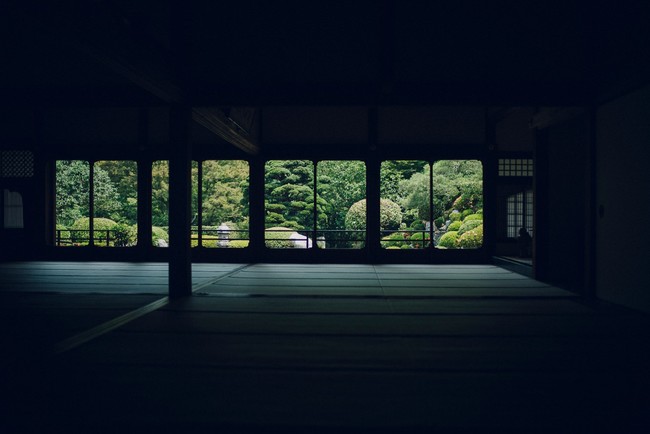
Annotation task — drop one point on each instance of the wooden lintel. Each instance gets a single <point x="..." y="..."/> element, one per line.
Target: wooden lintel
<point x="215" y="121"/>
<point x="548" y="116"/>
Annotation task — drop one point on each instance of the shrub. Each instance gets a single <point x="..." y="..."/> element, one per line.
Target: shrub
<point x="472" y="239"/>
<point x="448" y="240"/>
<point x="454" y="216"/>
<point x="418" y="225"/>
<point x="473" y="217"/>
<point x="439" y="222"/>
<point x="419" y="239"/>
<point x="468" y="225"/>
<point x="80" y="227"/>
<point x="410" y="218"/>
<point x="238" y="244"/>
<point x="278" y="237"/>
<point x="390" y="216"/>
<point x="63" y="235"/>
<point x="158" y="233"/>
<point x="465" y="213"/>
<point x="454" y="226"/>
<point x="124" y="235"/>
<point x="396" y="239"/>
<point x="209" y="241"/>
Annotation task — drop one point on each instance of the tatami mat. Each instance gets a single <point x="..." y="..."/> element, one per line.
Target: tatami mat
<point x="323" y="348"/>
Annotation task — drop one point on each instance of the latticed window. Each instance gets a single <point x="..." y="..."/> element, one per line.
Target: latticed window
<point x="16" y="164"/>
<point x="520" y="213"/>
<point x="516" y="167"/>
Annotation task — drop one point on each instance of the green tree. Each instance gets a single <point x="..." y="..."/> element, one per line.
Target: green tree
<point x="225" y="199"/>
<point x="457" y="184"/>
<point x="340" y="184"/>
<point x="290" y="195"/>
<point x="123" y="176"/>
<point x="160" y="193"/>
<point x="72" y="192"/>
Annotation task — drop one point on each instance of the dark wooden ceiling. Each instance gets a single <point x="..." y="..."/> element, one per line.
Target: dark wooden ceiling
<point x="260" y="53"/>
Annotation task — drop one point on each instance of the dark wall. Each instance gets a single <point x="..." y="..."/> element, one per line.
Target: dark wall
<point x="623" y="238"/>
<point x="562" y="227"/>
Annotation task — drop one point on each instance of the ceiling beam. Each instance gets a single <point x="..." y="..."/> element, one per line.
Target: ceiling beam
<point x="114" y="44"/>
<point x="216" y="121"/>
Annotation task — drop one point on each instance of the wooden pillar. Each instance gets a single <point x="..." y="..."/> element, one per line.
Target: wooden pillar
<point x="256" y="207"/>
<point x="373" y="166"/>
<point x="144" y="186"/>
<point x="490" y="196"/>
<point x="540" y="206"/>
<point x="180" y="203"/>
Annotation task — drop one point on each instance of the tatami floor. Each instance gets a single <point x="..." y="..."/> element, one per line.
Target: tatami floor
<point x="314" y="348"/>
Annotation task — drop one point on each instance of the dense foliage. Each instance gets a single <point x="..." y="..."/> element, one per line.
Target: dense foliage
<point x="407" y="204"/>
<point x="390" y="215"/>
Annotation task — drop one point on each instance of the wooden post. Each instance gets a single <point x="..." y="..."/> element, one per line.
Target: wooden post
<point x="256" y="207"/>
<point x="180" y="207"/>
<point x="144" y="186"/>
<point x="373" y="168"/>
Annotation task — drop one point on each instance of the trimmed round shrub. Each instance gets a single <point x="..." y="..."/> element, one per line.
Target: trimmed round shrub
<point x="419" y="239"/>
<point x="278" y="237"/>
<point x="468" y="225"/>
<point x="448" y="240"/>
<point x="396" y="239"/>
<point x="390" y="216"/>
<point x="473" y="217"/>
<point x="454" y="226"/>
<point x="418" y="225"/>
<point x="465" y="213"/>
<point x="480" y="211"/>
<point x="124" y="235"/>
<point x="79" y="229"/>
<point x="439" y="222"/>
<point x="472" y="239"/>
<point x="455" y="216"/>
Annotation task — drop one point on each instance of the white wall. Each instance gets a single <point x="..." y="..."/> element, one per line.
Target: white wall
<point x="623" y="190"/>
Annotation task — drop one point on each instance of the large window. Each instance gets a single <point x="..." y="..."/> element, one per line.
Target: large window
<point x="114" y="200"/>
<point x="72" y="203"/>
<point x="160" y="203"/>
<point x="438" y="204"/>
<point x="115" y="195"/>
<point x="224" y="203"/>
<point x="289" y="204"/>
<point x="341" y="188"/>
<point x="220" y="203"/>
<point x="311" y="205"/>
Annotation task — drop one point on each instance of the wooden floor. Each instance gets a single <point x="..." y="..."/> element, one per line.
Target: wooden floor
<point x="315" y="348"/>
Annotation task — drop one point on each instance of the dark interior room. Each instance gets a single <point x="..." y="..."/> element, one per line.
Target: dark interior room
<point x="388" y="216"/>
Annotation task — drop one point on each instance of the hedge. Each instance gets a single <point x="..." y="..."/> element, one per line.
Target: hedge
<point x="473" y="217"/>
<point x="472" y="239"/>
<point x="468" y="225"/>
<point x="448" y="240"/>
<point x="279" y="239"/>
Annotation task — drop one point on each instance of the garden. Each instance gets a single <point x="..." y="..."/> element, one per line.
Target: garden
<point x="307" y="204"/>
